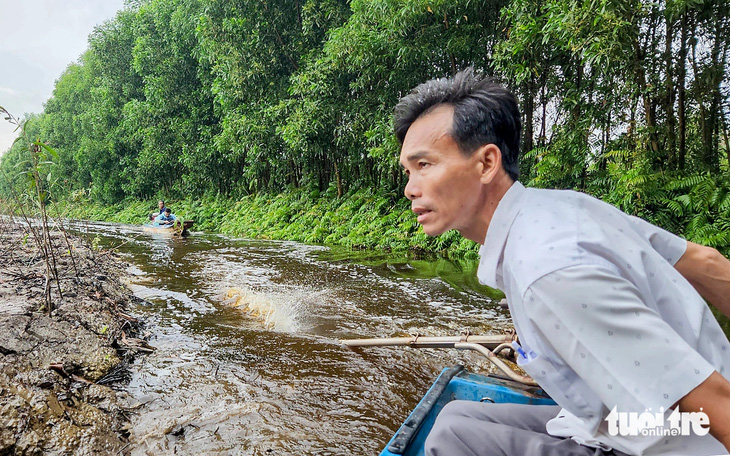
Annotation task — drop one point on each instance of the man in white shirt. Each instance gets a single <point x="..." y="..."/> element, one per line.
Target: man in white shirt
<point x="606" y="305"/>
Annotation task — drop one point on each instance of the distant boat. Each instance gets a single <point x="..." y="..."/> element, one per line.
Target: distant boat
<point x="178" y="228"/>
<point x="456" y="383"/>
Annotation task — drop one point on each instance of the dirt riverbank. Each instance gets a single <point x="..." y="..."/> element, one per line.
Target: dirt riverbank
<point x="61" y="375"/>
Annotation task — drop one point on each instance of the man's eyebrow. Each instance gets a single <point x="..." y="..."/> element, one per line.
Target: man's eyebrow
<point x="417" y="155"/>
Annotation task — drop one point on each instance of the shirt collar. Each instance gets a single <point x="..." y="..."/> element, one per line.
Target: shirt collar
<point x="491" y="252"/>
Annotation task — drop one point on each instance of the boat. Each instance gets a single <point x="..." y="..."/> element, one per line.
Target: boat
<point x="457" y="383"/>
<point x="178" y="228"/>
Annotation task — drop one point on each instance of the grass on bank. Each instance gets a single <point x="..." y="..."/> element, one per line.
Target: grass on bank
<point x="363" y="219"/>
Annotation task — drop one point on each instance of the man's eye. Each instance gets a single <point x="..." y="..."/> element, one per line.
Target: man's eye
<point x="423" y="164"/>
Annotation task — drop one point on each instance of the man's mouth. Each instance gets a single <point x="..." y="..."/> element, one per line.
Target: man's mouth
<point x="421" y="213"/>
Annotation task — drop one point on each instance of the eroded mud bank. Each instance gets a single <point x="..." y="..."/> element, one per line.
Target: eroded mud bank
<point x="61" y="375"/>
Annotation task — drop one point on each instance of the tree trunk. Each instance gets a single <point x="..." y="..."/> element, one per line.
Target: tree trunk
<point x="681" y="94"/>
<point x="604" y="144"/>
<point x="669" y="106"/>
<point x="725" y="135"/>
<point x="338" y="179"/>
<point x="704" y="135"/>
<point x="529" y="110"/>
<point x="711" y="156"/>
<point x="632" y="126"/>
<point x="649" y="109"/>
<point x="718" y="59"/>
<point x="452" y="59"/>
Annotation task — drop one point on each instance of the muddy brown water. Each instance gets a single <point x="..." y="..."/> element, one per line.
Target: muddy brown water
<point x="248" y="359"/>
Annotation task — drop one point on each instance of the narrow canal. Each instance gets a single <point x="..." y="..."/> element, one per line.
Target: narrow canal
<point x="248" y="360"/>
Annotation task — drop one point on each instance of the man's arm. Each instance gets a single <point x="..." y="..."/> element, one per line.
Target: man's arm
<point x="713" y="397"/>
<point x="709" y="272"/>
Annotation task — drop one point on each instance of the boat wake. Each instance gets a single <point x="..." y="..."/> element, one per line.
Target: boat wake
<point x="274" y="312"/>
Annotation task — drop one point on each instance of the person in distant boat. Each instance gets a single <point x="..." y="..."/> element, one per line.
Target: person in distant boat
<point x="608" y="307"/>
<point x="161" y="207"/>
<point x="166" y="218"/>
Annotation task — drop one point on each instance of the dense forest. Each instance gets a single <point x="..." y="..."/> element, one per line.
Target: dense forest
<point x="628" y="101"/>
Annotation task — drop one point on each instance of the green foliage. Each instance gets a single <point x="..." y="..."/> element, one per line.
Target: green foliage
<point x="694" y="206"/>
<point x="701" y="203"/>
<point x="222" y="104"/>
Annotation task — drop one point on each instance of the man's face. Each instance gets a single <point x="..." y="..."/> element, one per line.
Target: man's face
<point x="160" y="204"/>
<point x="444" y="185"/>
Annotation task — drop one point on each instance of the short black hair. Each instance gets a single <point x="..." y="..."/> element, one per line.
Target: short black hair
<point x="485" y="112"/>
<point x="167" y="209"/>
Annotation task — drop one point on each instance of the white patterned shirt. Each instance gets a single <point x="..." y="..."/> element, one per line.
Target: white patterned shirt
<point x="594" y="295"/>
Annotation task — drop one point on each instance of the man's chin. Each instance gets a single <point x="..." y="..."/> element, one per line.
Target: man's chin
<point x="432" y="231"/>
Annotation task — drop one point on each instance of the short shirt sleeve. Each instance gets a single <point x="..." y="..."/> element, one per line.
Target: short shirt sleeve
<point x="595" y="322"/>
<point x="670" y="246"/>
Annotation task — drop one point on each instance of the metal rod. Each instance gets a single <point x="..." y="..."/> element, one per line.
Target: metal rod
<point x="498" y="362"/>
<point x="490" y="342"/>
<point x="482" y="344"/>
<point x="502" y="347"/>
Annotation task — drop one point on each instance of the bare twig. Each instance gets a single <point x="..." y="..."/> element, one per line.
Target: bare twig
<point x="43" y="239"/>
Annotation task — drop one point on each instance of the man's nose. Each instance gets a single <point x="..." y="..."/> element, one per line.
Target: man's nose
<point x="412" y="190"/>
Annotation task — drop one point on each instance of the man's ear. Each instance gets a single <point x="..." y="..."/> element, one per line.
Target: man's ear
<point x="490" y="160"/>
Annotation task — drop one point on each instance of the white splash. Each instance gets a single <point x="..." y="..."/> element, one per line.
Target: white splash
<point x="276" y="312"/>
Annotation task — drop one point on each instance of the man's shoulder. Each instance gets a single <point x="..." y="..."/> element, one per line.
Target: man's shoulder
<point x="561" y="196"/>
<point x="566" y="208"/>
<point x="551" y="230"/>
<point x="543" y="208"/>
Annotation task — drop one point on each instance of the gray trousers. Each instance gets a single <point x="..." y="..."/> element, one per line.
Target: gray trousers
<point x="467" y="428"/>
